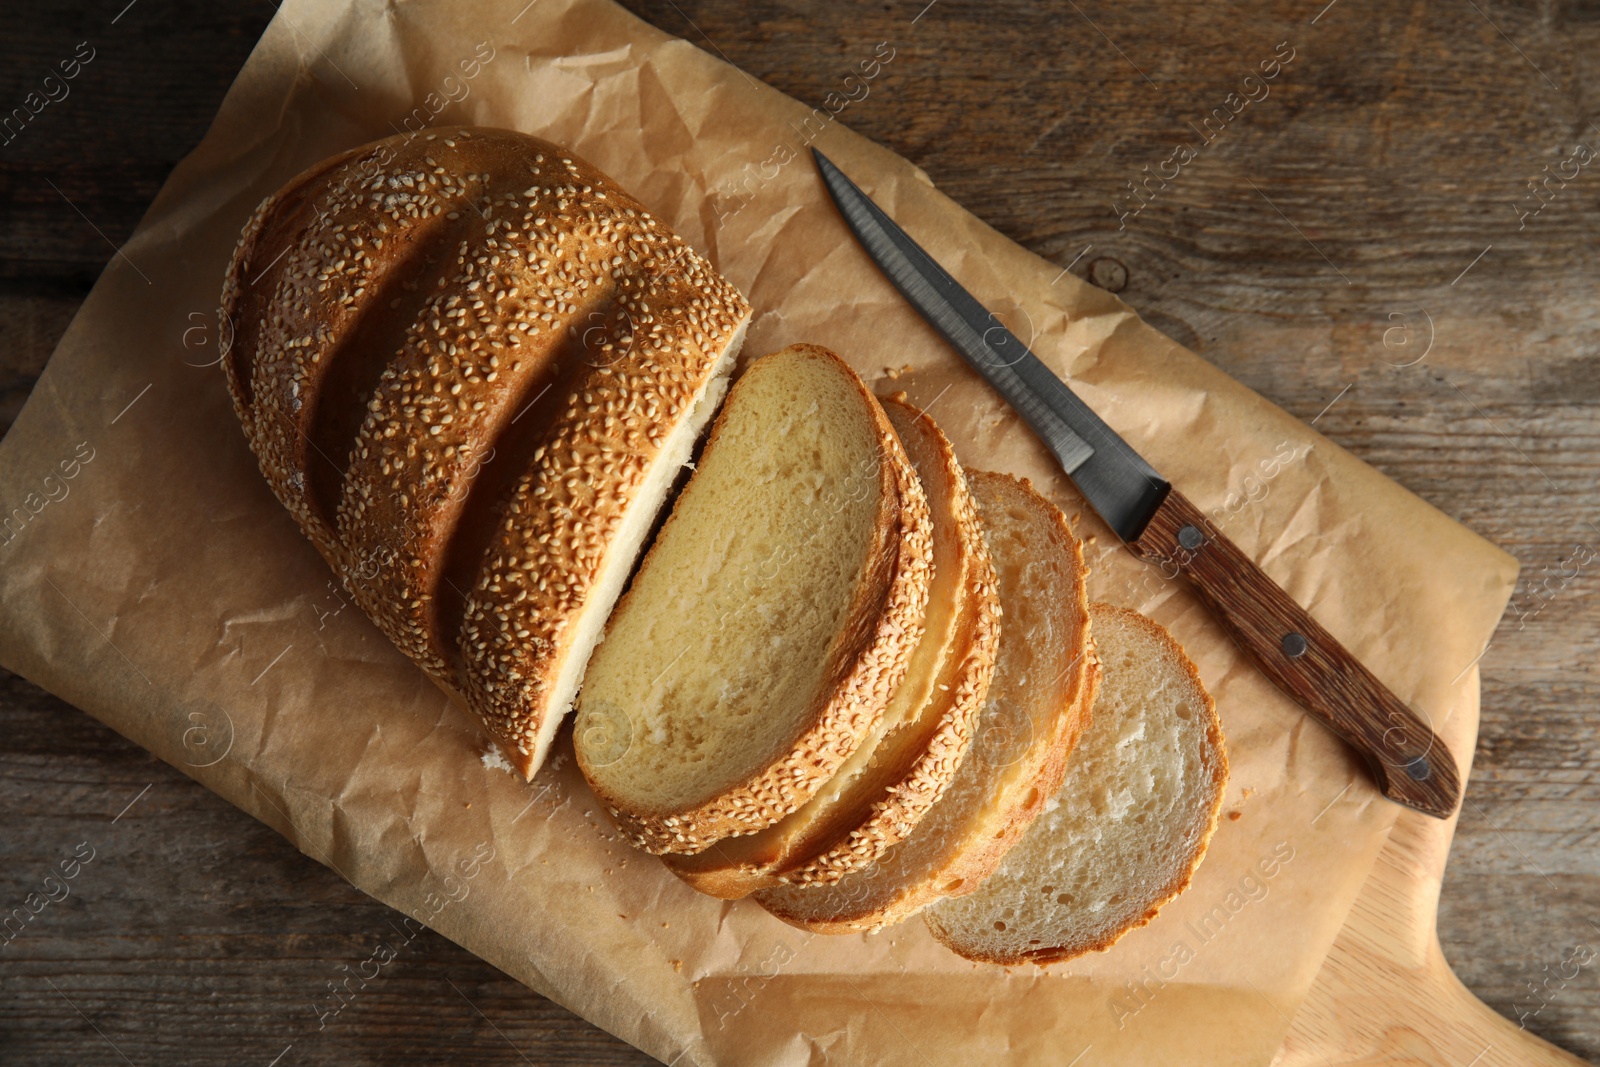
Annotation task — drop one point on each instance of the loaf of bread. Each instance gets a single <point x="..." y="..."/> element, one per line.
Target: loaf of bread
<point x="878" y="795"/>
<point x="772" y="618"/>
<point x="848" y="676"/>
<point x="1037" y="707"/>
<point x="1127" y="828"/>
<point x="471" y="367"/>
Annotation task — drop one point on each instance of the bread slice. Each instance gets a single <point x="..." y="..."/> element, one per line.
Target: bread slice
<point x="471" y="366"/>
<point x="904" y="764"/>
<point x="770" y="621"/>
<point x="1129" y="825"/>
<point x="1038" y="705"/>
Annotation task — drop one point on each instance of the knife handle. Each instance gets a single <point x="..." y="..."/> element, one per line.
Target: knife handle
<point x="1411" y="764"/>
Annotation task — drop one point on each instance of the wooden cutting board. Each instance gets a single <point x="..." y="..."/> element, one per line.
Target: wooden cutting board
<point x="1385" y="994"/>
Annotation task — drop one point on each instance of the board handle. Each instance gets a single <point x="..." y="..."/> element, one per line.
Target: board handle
<point x="1411" y="764"/>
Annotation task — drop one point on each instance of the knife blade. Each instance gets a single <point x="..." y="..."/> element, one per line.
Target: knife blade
<point x="1123" y="488"/>
<point x="1410" y="764"/>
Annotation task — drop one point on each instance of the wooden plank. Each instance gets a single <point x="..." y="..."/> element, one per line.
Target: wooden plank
<point x="30" y="325"/>
<point x="76" y="176"/>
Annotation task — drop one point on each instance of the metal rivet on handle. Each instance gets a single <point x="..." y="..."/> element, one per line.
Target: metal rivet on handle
<point x="1190" y="537"/>
<point x="1294" y="645"/>
<point x="1417" y="767"/>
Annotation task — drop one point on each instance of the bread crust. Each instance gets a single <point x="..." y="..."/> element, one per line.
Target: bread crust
<point x="890" y="819"/>
<point x="938" y="729"/>
<point x="866" y="662"/>
<point x="983" y="845"/>
<point x="1182" y="875"/>
<point x="396" y="310"/>
<point x="282" y="315"/>
<point x="893" y="818"/>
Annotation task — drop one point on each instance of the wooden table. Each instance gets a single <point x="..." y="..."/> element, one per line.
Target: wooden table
<point x="1359" y="245"/>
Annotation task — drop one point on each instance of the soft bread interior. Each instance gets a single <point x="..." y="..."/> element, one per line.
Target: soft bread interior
<point x="626" y="542"/>
<point x="720" y="654"/>
<point x="1129" y="824"/>
<point x="922" y="702"/>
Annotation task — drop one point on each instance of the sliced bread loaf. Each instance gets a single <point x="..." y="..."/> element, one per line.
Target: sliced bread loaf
<point x="1038" y="704"/>
<point x="905" y="762"/>
<point x="1129" y="825"/>
<point x="472" y="366"/>
<point x="770" y="621"/>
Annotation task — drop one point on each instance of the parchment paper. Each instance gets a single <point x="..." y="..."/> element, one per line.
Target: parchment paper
<point x="158" y="585"/>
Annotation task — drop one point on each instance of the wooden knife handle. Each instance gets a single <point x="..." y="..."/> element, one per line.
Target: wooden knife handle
<point x="1411" y="764"/>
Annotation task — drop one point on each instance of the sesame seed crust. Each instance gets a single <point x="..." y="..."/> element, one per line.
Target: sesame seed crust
<point x="953" y="849"/>
<point x="895" y="817"/>
<point x="870" y="661"/>
<point x="284" y="310"/>
<point x="499" y="267"/>
<point x="892" y="818"/>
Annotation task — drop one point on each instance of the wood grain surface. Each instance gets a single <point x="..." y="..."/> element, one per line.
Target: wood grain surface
<point x="1386" y="994"/>
<point x="1408" y="763"/>
<point x="1359" y="244"/>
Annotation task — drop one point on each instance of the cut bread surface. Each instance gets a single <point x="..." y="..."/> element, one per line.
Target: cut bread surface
<point x="1037" y="705"/>
<point x="907" y="759"/>
<point x="771" y="619"/>
<point x="1127" y="828"/>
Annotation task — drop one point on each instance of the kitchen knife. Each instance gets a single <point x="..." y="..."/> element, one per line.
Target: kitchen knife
<point x="1161" y="526"/>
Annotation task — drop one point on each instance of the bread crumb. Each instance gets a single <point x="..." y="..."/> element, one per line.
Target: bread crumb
<point x="494" y="761"/>
<point x="665" y="925"/>
<point x="677" y="965"/>
<point x="1235" y="816"/>
<point x="1077" y="517"/>
<point x="1091" y="539"/>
